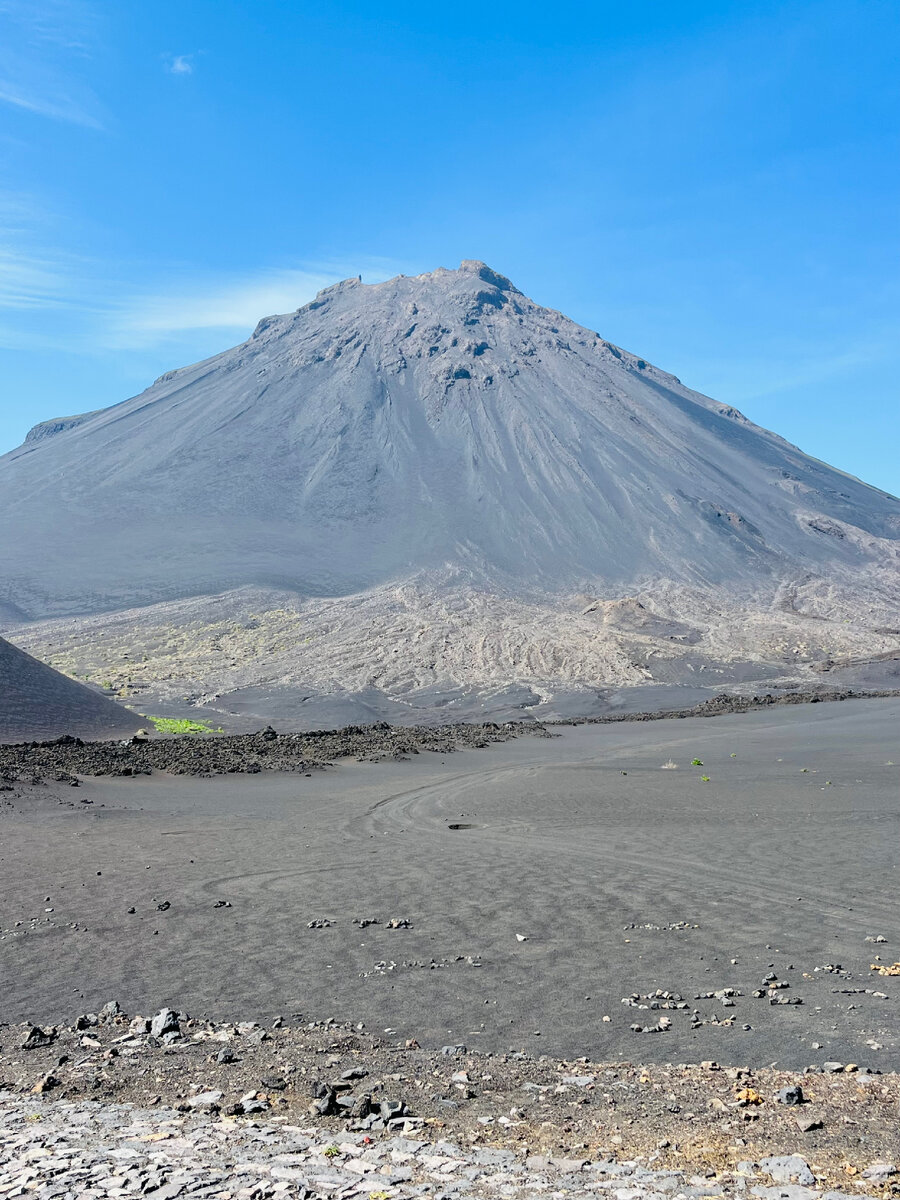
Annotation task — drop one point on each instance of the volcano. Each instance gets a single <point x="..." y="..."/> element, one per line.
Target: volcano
<point x="444" y="486"/>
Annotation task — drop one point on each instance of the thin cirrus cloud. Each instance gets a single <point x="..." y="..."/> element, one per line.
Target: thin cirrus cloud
<point x="93" y="308"/>
<point x="35" y="275"/>
<point x="47" y="302"/>
<point x="231" y="305"/>
<point x="43" y="51"/>
<point x="47" y="103"/>
<point x="29" y="282"/>
<point x="777" y="372"/>
<point x="224" y="304"/>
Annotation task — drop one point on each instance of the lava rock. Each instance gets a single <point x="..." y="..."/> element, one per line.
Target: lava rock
<point x="36" y="1038"/>
<point x="165" y="1022"/>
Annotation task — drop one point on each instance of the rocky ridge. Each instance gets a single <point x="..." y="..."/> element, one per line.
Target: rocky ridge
<point x="245" y="753"/>
<point x="67" y="757"/>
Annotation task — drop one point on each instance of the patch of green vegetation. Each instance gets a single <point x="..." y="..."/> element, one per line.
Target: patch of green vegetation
<point x="696" y="762"/>
<point x="181" y="726"/>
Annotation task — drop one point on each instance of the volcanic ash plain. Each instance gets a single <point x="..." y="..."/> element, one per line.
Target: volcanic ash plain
<point x="586" y="893"/>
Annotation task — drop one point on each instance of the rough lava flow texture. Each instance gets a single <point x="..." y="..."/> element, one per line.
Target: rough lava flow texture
<point x="432" y="488"/>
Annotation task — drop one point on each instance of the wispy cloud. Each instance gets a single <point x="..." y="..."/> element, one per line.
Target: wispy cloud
<point x="58" y="106"/>
<point x="232" y="304"/>
<point x="780" y="370"/>
<point x="180" y="64"/>
<point x="32" y="276"/>
<point x="51" y="299"/>
<point x="28" y="282"/>
<point x="69" y="24"/>
<point x="223" y="303"/>
<point x="42" y="46"/>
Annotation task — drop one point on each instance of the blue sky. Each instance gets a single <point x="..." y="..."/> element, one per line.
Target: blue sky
<point x="713" y="186"/>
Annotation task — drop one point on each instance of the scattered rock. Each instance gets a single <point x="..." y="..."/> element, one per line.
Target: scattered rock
<point x="36" y="1038"/>
<point x="892" y="970"/>
<point x="788" y="1168"/>
<point x="45" y="1084"/>
<point x="165" y="1022"/>
<point x="880" y="1172"/>
<point x="808" y="1124"/>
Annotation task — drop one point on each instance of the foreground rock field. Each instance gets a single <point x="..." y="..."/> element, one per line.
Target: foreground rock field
<point x="169" y="1106"/>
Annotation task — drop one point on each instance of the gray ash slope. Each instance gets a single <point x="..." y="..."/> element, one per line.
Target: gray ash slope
<point x="386" y="429"/>
<point x="38" y="702"/>
<point x="430" y="489"/>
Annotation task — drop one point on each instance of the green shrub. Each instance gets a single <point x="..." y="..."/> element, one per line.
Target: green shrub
<point x="181" y="726"/>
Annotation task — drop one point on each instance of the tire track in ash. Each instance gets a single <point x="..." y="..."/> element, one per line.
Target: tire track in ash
<point x="407" y="812"/>
<point x="533" y="765"/>
<point x="400" y="812"/>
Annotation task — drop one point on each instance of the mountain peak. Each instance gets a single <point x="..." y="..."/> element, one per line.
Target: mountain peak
<point x="343" y="285"/>
<point x="473" y="266"/>
<point x="433" y="422"/>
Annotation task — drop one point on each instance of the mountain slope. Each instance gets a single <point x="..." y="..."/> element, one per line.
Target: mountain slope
<point x="429" y="498"/>
<point x="429" y="423"/>
<point x="37" y="702"/>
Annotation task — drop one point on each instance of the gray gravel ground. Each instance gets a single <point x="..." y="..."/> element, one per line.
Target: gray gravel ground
<point x="78" y="1151"/>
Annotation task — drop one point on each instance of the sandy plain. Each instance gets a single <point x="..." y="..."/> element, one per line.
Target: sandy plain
<point x="584" y="845"/>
